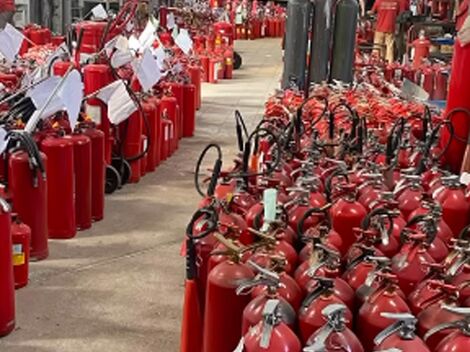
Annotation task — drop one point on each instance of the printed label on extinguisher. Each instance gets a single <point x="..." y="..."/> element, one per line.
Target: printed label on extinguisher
<point x="145" y="144"/>
<point x="216" y="71"/>
<point x="94" y="112"/>
<point x="263" y="30"/>
<point x="167" y="132"/>
<point x="18" y="255"/>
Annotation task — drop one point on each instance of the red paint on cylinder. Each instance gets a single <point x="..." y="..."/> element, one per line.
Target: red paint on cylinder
<point x="30" y="201"/>
<point x="60" y="190"/>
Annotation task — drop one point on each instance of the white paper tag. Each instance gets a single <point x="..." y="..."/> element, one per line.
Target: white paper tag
<point x="465" y="178"/>
<point x="170" y="21"/>
<point x="145" y="144"/>
<point x="11" y="40"/>
<point x="147" y="70"/>
<point x="3" y="141"/>
<point x="184" y="41"/>
<point x="99" y="12"/>
<point x="94" y="112"/>
<point x="241" y="346"/>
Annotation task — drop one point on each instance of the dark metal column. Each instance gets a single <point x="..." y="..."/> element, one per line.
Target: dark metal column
<point x="344" y="40"/>
<point x="322" y="32"/>
<point x="295" y="54"/>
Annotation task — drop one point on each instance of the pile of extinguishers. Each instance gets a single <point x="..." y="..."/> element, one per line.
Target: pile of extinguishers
<point x="337" y="229"/>
<point x="56" y="166"/>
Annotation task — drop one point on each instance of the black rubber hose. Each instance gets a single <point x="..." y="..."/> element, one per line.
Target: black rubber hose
<point x="307" y="214"/>
<point x="431" y="236"/>
<point x="217" y="167"/>
<point x="338" y="172"/>
<point x="365" y="225"/>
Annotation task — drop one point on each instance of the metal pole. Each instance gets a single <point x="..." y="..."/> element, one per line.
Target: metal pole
<point x="295" y="53"/>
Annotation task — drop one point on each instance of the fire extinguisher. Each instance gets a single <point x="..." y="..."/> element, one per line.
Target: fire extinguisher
<point x="253" y="313"/>
<point x="7" y="286"/>
<point x="271" y="334"/>
<point x="455" y="208"/>
<point x="334" y="335"/>
<point x="21" y="238"/>
<point x="400" y="334"/>
<point x="82" y="158"/>
<point x="433" y="314"/>
<point x="385" y="299"/>
<point x="98" y="166"/>
<point x="408" y="264"/>
<point x="188" y="110"/>
<point x="29" y="189"/>
<point x="457" y="331"/>
<point x="61" y="192"/>
<point x="223" y="316"/>
<point x="310" y="316"/>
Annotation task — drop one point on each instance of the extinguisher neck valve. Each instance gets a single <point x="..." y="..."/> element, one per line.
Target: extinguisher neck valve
<point x="404" y="325"/>
<point x="264" y="277"/>
<point x="271" y="318"/>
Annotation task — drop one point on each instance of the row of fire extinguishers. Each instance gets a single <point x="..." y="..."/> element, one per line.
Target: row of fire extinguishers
<point x="213" y="42"/>
<point x="54" y="178"/>
<point x="336" y="229"/>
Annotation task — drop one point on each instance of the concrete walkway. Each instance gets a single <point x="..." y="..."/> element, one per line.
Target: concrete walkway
<point x="118" y="287"/>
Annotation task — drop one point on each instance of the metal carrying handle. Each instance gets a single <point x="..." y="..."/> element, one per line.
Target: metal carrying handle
<point x="405" y="325"/>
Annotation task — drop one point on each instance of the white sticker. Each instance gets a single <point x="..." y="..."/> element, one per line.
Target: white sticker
<point x="17" y="249"/>
<point x="94" y="111"/>
<point x="167" y="133"/>
<point x="216" y="71"/>
<point x="145" y="144"/>
<point x="172" y="131"/>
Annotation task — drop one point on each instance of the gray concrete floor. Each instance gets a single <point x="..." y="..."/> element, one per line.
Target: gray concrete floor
<point x="118" y="287"/>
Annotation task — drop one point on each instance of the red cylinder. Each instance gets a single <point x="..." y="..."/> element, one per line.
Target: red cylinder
<point x="95" y="77"/>
<point x="214" y="67"/>
<point x="30" y="201"/>
<point x="189" y="110"/>
<point x="150" y="111"/>
<point x="205" y="63"/>
<point x="40" y="36"/>
<point x="195" y="73"/>
<point x="61" y="192"/>
<point x="21" y="238"/>
<point x="98" y="166"/>
<point x="92" y="36"/>
<point x="228" y="66"/>
<point x="422" y="47"/>
<point x="7" y="286"/>
<point x="167" y="127"/>
<point x="459" y="97"/>
<point x="82" y="158"/>
<point x="177" y="91"/>
<point x="131" y="133"/>
<point x="144" y="161"/>
<point x="60" y="68"/>
<point x="169" y="108"/>
<point x="157" y="143"/>
<point x="223" y="316"/>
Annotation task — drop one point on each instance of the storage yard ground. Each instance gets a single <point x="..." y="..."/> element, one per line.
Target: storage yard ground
<point x="119" y="286"/>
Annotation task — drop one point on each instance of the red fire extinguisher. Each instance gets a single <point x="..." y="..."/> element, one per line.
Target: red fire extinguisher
<point x="61" y="192"/>
<point x="188" y="110"/>
<point x="223" y="316"/>
<point x="253" y="313"/>
<point x="385" y="299"/>
<point x="310" y="314"/>
<point x="98" y="166"/>
<point x="334" y="335"/>
<point x="82" y="158"/>
<point x="271" y="334"/>
<point x="457" y="331"/>
<point x="29" y="191"/>
<point x="21" y="237"/>
<point x="131" y="137"/>
<point x="400" y="334"/>
<point x="7" y="286"/>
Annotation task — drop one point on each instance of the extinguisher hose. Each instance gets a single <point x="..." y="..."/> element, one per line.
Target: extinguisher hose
<point x="215" y="173"/>
<point x="240" y="129"/>
<point x="338" y="172"/>
<point x="450" y="116"/>
<point x="308" y="214"/>
<point x="208" y="214"/>
<point x="247" y="152"/>
<point x="431" y="141"/>
<point x="423" y="218"/>
<point x="367" y="222"/>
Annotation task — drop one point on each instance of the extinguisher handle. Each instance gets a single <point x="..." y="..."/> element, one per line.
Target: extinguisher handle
<point x="209" y="214"/>
<point x="312" y="211"/>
